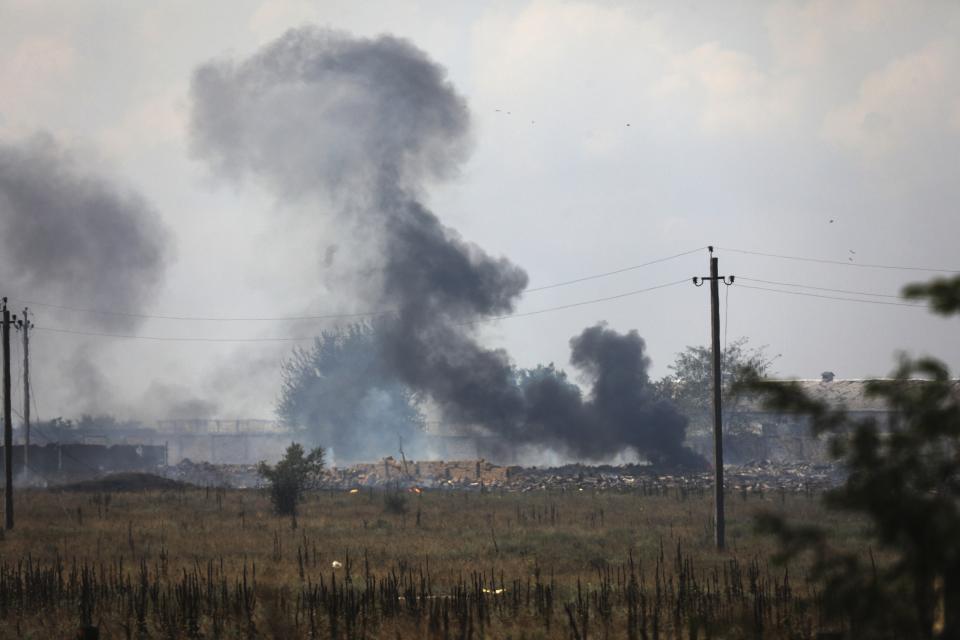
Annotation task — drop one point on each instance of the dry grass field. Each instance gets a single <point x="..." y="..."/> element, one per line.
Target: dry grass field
<point x="217" y="563"/>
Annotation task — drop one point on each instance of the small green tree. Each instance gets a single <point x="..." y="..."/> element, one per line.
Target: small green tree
<point x="690" y="386"/>
<point x="290" y="477"/>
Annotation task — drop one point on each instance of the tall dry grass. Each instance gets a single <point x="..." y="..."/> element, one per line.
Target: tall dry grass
<point x="218" y="563"/>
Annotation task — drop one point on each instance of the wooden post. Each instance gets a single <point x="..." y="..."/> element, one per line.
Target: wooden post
<point x="717" y="409"/>
<point x="715" y="279"/>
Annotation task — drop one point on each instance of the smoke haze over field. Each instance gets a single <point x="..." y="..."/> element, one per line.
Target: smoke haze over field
<point x="369" y="124"/>
<point x="77" y="238"/>
<point x="74" y="237"/>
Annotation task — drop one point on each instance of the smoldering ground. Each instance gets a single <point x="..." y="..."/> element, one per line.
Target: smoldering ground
<point x="363" y="127"/>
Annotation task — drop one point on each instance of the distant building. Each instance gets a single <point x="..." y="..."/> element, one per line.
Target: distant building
<point x="218" y="440"/>
<point x="224" y="441"/>
<point x="762" y="434"/>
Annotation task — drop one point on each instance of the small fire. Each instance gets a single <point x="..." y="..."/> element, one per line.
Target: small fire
<point x="415" y="490"/>
<point x="354" y="490"/>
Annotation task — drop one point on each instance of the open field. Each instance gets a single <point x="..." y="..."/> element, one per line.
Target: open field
<point x="217" y="563"/>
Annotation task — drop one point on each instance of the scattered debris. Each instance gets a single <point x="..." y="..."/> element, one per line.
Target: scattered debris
<point x="480" y="475"/>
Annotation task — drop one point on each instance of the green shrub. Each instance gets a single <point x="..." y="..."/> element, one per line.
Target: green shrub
<point x="290" y="477"/>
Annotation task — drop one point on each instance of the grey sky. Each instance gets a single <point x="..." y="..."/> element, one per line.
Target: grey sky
<point x="751" y="125"/>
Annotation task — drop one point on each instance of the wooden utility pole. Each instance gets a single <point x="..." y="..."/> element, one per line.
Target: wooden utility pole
<point x="26" y="326"/>
<point x="715" y="280"/>
<point x="7" y="424"/>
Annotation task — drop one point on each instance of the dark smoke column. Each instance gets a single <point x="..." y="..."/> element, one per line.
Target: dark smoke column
<point x="363" y="127"/>
<point x="621" y="405"/>
<point x="320" y="117"/>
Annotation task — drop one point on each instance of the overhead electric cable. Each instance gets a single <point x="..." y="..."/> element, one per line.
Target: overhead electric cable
<point x="807" y="286"/>
<point x="128" y="336"/>
<point x="840" y="262"/>
<point x="325" y="316"/>
<point x="612" y="273"/>
<point x="145" y="316"/>
<point x="817" y="295"/>
<point x="304" y="338"/>
<point x="580" y="304"/>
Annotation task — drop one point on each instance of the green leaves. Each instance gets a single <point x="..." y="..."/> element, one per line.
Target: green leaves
<point x="293" y="475"/>
<point x="942" y="293"/>
<point x="903" y="470"/>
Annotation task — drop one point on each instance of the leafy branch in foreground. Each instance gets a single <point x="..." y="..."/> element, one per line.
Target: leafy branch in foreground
<point x="943" y="294"/>
<point x="904" y="476"/>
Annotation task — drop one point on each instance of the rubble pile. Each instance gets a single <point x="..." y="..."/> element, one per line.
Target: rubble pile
<point x="764" y="475"/>
<point x="426" y="474"/>
<point x="756" y="476"/>
<point x="753" y="477"/>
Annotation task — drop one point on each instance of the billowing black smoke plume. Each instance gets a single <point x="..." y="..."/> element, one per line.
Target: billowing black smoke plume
<point x="75" y="238"/>
<point x="319" y="116"/>
<point x="620" y="411"/>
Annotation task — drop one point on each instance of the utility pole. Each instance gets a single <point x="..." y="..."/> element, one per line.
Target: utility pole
<point x="26" y="325"/>
<point x="715" y="280"/>
<point x="7" y="423"/>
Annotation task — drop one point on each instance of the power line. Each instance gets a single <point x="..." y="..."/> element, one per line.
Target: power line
<point x="817" y="295"/>
<point x="304" y="338"/>
<point x="128" y="336"/>
<point x="840" y="262"/>
<point x="324" y="316"/>
<point x="145" y="316"/>
<point x="580" y="304"/>
<point x="612" y="273"/>
<point x="806" y="286"/>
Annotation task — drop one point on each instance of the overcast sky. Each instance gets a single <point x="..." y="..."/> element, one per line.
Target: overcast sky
<point x="605" y="135"/>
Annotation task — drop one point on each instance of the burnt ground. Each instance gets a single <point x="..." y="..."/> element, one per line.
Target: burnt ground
<point x="127" y="482"/>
